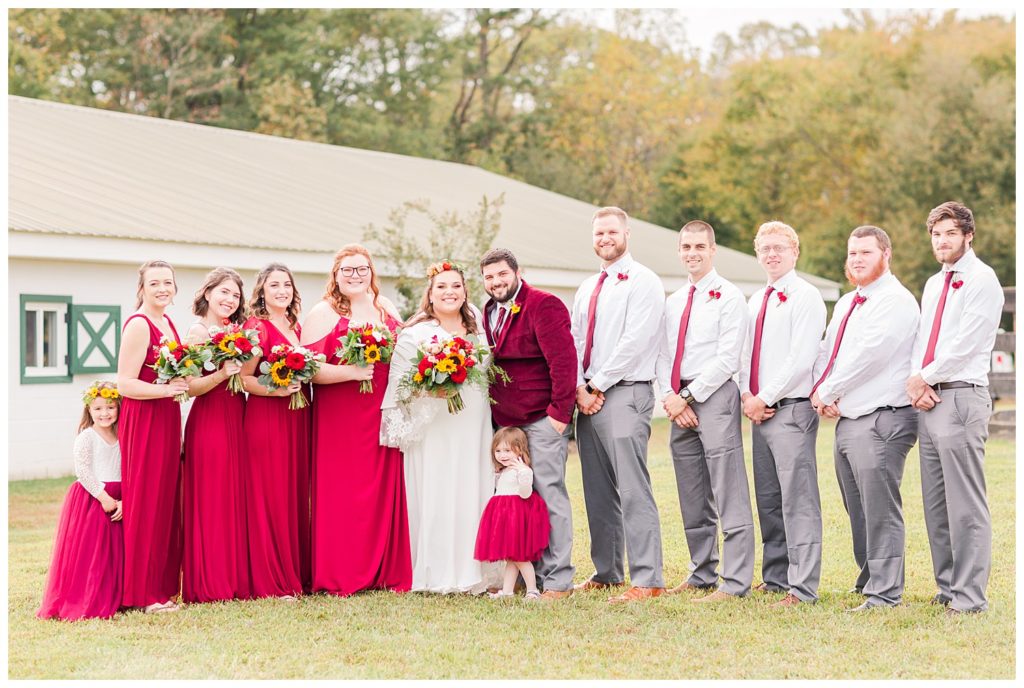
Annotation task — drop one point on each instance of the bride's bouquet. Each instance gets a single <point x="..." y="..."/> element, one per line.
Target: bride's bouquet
<point x="442" y="367"/>
<point x="365" y="345"/>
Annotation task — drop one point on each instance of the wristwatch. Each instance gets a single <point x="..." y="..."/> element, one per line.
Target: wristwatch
<point x="687" y="395"/>
<point x="590" y="389"/>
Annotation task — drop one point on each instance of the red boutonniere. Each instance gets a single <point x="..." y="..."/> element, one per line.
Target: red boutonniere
<point x="782" y="297"/>
<point x="623" y="276"/>
<point x="859" y="298"/>
<point x="956" y="284"/>
<point x="714" y="294"/>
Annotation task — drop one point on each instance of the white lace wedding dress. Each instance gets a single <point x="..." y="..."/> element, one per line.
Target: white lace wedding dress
<point x="448" y="473"/>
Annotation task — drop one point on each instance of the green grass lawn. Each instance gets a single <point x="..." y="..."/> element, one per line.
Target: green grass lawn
<point x="381" y="635"/>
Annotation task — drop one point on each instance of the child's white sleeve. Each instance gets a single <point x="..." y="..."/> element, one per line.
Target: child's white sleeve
<point x="83" y="464"/>
<point x="525" y="479"/>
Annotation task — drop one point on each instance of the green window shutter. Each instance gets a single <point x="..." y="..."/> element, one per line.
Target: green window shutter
<point x="95" y="333"/>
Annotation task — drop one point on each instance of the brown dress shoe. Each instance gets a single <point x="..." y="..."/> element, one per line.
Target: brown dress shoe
<point x="716" y="596"/>
<point x="635" y="593"/>
<point x="551" y="595"/>
<point x="591" y="584"/>
<point x="790" y="600"/>
<point x="687" y="587"/>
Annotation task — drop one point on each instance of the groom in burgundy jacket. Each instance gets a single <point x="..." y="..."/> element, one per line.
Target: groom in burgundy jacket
<point x="529" y="330"/>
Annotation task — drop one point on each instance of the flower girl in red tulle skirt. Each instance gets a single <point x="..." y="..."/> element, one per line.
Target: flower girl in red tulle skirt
<point x="514" y="526"/>
<point x="86" y="575"/>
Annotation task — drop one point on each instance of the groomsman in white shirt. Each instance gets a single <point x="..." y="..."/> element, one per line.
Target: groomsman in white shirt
<point x="701" y="342"/>
<point x="860" y="372"/>
<point x="960" y="311"/>
<point x="614" y="316"/>
<point x="787" y="319"/>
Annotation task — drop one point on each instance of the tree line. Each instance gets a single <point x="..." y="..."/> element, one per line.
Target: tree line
<point x="876" y="121"/>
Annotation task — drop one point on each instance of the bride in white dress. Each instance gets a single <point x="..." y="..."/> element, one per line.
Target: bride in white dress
<point x="448" y="472"/>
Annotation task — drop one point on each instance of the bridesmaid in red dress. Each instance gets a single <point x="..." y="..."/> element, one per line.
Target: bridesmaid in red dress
<point x="356" y="482"/>
<point x="276" y="476"/>
<point x="150" y="436"/>
<point x="216" y="560"/>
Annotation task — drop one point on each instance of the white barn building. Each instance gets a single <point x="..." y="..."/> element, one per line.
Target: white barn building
<point x="93" y="193"/>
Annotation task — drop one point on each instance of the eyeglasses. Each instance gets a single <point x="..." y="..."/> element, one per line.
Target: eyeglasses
<point x="362" y="271"/>
<point x="777" y="248"/>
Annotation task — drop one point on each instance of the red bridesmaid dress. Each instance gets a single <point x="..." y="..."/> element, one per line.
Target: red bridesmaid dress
<point x="360" y="521"/>
<point x="149" y="431"/>
<point x="276" y="484"/>
<point x="216" y="560"/>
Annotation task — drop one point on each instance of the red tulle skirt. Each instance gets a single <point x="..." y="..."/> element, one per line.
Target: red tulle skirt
<point x="87" y="572"/>
<point x="513" y="529"/>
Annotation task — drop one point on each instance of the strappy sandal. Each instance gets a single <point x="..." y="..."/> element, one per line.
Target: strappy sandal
<point x="500" y="595"/>
<point x="160" y="607"/>
<point x="532" y="595"/>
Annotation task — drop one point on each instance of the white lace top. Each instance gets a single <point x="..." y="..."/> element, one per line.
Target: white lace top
<point x="514" y="482"/>
<point x="96" y="462"/>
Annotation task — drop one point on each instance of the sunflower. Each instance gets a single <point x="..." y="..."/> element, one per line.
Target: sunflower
<point x="172" y="345"/>
<point x="372" y="353"/>
<point x="106" y="393"/>
<point x="417" y="378"/>
<point x="446" y="365"/>
<point x="225" y="344"/>
<point x="275" y="374"/>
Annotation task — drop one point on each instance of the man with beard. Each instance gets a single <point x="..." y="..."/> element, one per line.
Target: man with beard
<point x="529" y="332"/>
<point x="615" y="315"/>
<point x="960" y="309"/>
<point x="788" y="317"/>
<point x="861" y="368"/>
<point x="700" y="347"/>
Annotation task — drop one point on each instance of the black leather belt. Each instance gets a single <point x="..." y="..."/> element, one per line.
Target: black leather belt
<point x="786" y="402"/>
<point x="630" y="383"/>
<point x="890" y="408"/>
<point x="954" y="385"/>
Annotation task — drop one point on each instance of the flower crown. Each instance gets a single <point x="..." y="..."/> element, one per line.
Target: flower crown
<point x="101" y="390"/>
<point x="444" y="266"/>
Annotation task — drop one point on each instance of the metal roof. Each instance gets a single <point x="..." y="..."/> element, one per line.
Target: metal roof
<point x="87" y="171"/>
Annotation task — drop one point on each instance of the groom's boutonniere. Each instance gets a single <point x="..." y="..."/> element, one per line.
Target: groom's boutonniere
<point x="623" y="276"/>
<point x="515" y="308"/>
<point x="783" y="297"/>
<point x="714" y="293"/>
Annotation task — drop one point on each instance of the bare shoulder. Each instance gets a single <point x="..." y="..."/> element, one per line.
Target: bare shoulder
<point x="389" y="307"/>
<point x="318" y="322"/>
<point x="196" y="333"/>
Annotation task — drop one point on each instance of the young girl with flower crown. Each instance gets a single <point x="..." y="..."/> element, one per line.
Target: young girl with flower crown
<point x="86" y="575"/>
<point x="515" y="525"/>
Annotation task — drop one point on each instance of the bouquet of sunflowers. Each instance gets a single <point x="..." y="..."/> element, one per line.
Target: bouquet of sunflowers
<point x="233" y="343"/>
<point x="286" y="364"/>
<point x="365" y="345"/>
<point x="443" y="367"/>
<point x="180" y="360"/>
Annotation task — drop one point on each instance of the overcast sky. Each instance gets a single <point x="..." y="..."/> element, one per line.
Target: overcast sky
<point x="703" y="25"/>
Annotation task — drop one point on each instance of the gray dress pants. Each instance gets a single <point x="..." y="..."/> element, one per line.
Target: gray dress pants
<point x="953" y="435"/>
<point x="621" y="512"/>
<point x="549" y="452"/>
<point x="712" y="482"/>
<point x="788" y="502"/>
<point x="870" y="453"/>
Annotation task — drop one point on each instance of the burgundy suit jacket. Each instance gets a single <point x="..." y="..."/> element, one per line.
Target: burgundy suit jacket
<point x="537" y="351"/>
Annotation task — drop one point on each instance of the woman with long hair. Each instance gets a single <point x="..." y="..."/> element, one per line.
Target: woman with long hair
<point x="150" y="438"/>
<point x="356" y="481"/>
<point x="215" y="565"/>
<point x="276" y="476"/>
<point x="448" y="475"/>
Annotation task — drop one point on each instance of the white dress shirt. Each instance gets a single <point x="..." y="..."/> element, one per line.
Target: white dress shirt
<point x="873" y="363"/>
<point x="714" y="336"/>
<point x="492" y="317"/>
<point x="628" y="315"/>
<point x="790" y="339"/>
<point x="970" y="318"/>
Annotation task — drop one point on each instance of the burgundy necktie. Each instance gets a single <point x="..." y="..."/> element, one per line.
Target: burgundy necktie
<point x="857" y="300"/>
<point x="502" y="315"/>
<point x="592" y="321"/>
<point x="681" y="340"/>
<point x="755" y="357"/>
<point x="933" y="338"/>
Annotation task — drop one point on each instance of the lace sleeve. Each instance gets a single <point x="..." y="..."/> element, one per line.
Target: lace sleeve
<point x="83" y="464"/>
<point x="524" y="479"/>
<point x="404" y="419"/>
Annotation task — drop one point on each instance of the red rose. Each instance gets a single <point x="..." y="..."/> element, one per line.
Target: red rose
<point x="957" y="284"/>
<point x="424" y="365"/>
<point x="218" y="338"/>
<point x="623" y="276"/>
<point x="295" y="361"/>
<point x="782" y="297"/>
<point x="178" y="353"/>
<point x="272" y="357"/>
<point x="470" y="362"/>
<point x="459" y="376"/>
<point x="243" y="345"/>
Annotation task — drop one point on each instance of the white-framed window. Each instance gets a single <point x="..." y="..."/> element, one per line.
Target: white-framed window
<point x="44" y="338"/>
